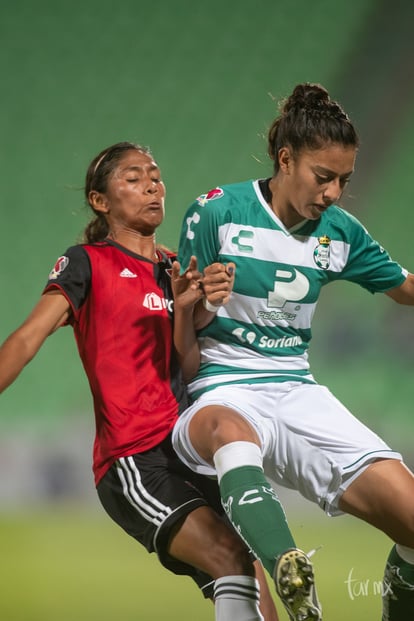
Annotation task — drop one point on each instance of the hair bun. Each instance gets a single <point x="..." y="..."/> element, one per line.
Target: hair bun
<point x="307" y="97"/>
<point x="309" y="119"/>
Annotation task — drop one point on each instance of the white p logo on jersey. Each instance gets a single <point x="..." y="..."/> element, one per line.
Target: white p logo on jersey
<point x="290" y="286"/>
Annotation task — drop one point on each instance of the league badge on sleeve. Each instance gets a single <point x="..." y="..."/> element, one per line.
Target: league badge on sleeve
<point x="58" y="268"/>
<point x="210" y="196"/>
<point x="322" y="252"/>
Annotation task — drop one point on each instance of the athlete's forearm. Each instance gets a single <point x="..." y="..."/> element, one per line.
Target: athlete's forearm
<point x="15" y="353"/>
<point x="21" y="346"/>
<point x="185" y="341"/>
<point x="404" y="294"/>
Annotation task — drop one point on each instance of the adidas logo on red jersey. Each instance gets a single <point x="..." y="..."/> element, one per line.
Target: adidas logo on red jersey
<point x="126" y="273"/>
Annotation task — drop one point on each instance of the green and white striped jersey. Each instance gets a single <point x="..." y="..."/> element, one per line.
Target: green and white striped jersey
<point x="263" y="333"/>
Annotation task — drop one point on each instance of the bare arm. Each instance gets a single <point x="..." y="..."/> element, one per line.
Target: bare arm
<point x="187" y="292"/>
<point x="404" y="294"/>
<point x="21" y="346"/>
<point x="190" y="314"/>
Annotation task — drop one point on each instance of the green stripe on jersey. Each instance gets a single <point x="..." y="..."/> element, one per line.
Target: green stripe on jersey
<point x="199" y="387"/>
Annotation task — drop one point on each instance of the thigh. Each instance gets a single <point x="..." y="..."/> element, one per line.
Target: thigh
<point x="314" y="413"/>
<point x="316" y="445"/>
<point x="383" y="495"/>
<point x="149" y="495"/>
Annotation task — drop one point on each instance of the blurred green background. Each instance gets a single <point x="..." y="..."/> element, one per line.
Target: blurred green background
<point x="199" y="83"/>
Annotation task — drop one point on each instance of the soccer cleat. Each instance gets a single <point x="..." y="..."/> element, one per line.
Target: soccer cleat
<point x="294" y="581"/>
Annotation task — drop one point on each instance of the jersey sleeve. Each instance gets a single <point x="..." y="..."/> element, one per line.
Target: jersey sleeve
<point x="72" y="275"/>
<point x="200" y="231"/>
<point x="369" y="264"/>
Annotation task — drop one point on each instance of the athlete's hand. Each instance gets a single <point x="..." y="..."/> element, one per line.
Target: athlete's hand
<point x="218" y="282"/>
<point x="187" y="287"/>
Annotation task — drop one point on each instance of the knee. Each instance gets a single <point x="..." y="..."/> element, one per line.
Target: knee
<point x="214" y="426"/>
<point x="404" y="533"/>
<point x="406" y="553"/>
<point x="234" y="429"/>
<point x="231" y="556"/>
<point x="210" y="543"/>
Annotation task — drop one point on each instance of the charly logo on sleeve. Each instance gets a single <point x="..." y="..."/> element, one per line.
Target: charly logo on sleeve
<point x="322" y="252"/>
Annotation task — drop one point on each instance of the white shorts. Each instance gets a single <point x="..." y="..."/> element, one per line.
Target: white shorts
<point x="310" y="441"/>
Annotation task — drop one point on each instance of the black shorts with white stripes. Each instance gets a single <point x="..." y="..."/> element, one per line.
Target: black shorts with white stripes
<point x="147" y="493"/>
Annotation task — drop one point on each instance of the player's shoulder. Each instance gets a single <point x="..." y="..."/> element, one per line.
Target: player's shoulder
<point x="344" y="221"/>
<point x="105" y="249"/>
<point x="94" y="246"/>
<point x="223" y="195"/>
<point x="341" y="214"/>
<point x="85" y="253"/>
<point x="72" y="260"/>
<point x="72" y="253"/>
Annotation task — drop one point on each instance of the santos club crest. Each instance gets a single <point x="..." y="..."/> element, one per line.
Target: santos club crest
<point x="322" y="252"/>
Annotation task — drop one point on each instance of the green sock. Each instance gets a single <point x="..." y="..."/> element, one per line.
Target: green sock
<point x="398" y="589"/>
<point x="254" y="509"/>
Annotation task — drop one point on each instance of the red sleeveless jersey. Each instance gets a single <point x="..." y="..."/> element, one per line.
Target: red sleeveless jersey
<point x="122" y="319"/>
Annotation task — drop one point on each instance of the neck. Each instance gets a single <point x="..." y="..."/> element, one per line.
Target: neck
<point x="137" y="242"/>
<point x="280" y="206"/>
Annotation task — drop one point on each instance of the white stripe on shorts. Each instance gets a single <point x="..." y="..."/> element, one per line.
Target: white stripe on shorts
<point x="148" y="506"/>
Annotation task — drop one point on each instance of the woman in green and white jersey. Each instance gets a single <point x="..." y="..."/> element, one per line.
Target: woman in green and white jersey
<point x="257" y="408"/>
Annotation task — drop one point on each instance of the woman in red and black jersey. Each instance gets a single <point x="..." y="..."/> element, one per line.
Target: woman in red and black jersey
<point x="115" y="290"/>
